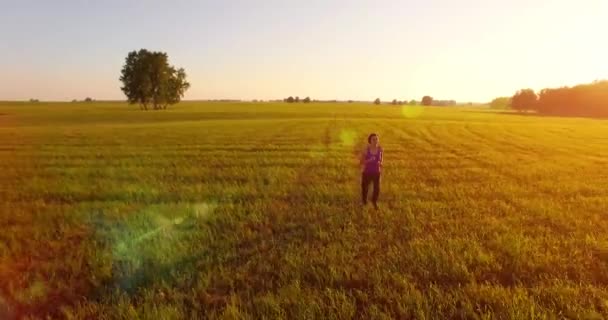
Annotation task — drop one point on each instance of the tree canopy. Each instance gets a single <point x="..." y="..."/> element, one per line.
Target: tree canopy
<point x="524" y="99"/>
<point x="427" y="101"/>
<point x="149" y="80"/>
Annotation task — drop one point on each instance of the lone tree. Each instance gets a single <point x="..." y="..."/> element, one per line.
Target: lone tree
<point x="149" y="80"/>
<point x="427" y="101"/>
<point x="377" y="101"/>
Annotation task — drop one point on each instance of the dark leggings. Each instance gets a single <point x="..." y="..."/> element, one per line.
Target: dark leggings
<point x="366" y="178"/>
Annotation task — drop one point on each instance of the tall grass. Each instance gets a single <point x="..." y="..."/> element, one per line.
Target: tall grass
<point x="236" y="211"/>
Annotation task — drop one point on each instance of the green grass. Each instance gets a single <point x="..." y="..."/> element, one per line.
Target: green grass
<point x="238" y="211"/>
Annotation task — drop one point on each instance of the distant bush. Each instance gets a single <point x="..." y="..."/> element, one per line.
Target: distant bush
<point x="88" y="99"/>
<point x="34" y="100"/>
<point x="427" y="100"/>
<point x="500" y="103"/>
<point x="377" y="101"/>
<point x="306" y="100"/>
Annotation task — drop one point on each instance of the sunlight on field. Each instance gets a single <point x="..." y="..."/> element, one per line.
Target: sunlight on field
<point x="116" y="213"/>
<point x="412" y="112"/>
<point x="159" y="225"/>
<point x="348" y="137"/>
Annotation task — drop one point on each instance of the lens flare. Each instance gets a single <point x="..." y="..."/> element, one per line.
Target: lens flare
<point x="202" y="210"/>
<point x="125" y="246"/>
<point x="348" y="137"/>
<point x="412" y="111"/>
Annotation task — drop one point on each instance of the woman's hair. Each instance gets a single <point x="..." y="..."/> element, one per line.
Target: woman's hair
<point x="369" y="138"/>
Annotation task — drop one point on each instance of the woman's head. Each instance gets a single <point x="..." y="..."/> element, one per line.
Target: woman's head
<point x="373" y="139"/>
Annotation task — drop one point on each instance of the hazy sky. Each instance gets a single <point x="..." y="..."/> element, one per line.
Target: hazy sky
<point x="467" y="50"/>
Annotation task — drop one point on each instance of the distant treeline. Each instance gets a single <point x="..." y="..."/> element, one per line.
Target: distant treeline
<point x="297" y="100"/>
<point x="585" y="100"/>
<point x="222" y="100"/>
<point x="87" y="99"/>
<point x="443" y="103"/>
<point x="426" y="101"/>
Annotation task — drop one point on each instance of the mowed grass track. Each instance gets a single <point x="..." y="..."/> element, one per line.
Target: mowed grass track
<point x="238" y="211"/>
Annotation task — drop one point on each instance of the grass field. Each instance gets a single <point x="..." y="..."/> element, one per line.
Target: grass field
<point x="239" y="211"/>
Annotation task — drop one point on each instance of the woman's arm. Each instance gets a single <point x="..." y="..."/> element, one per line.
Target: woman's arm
<point x="362" y="161"/>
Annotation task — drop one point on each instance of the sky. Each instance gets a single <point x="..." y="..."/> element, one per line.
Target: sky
<point x="466" y="50"/>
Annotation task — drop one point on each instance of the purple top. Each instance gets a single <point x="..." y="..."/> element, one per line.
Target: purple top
<point x="373" y="166"/>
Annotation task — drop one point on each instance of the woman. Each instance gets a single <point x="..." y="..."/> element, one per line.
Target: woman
<point x="371" y="163"/>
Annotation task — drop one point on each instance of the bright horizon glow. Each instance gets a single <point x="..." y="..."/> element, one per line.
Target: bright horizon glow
<point x="468" y="50"/>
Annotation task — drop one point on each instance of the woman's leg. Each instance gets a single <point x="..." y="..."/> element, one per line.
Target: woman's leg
<point x="376" y="180"/>
<point x="364" y="187"/>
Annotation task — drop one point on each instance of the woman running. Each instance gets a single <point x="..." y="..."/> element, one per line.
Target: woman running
<point x="371" y="164"/>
